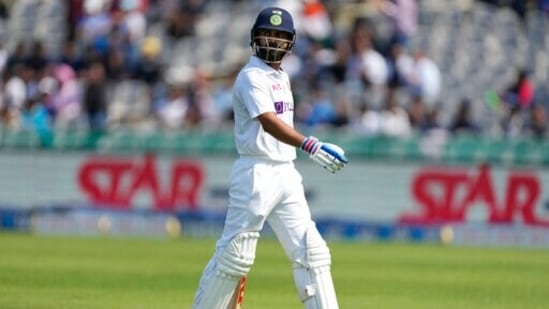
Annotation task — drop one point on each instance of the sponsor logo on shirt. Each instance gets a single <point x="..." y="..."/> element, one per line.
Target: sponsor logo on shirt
<point x="281" y="107"/>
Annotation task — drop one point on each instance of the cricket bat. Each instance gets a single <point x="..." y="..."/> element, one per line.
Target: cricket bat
<point x="238" y="295"/>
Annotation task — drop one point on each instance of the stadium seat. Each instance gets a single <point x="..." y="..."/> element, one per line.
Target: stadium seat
<point x="19" y="138"/>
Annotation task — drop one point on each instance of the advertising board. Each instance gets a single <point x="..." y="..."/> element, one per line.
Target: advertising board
<point x="410" y="193"/>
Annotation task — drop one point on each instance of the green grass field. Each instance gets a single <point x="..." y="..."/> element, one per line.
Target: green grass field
<point x="62" y="272"/>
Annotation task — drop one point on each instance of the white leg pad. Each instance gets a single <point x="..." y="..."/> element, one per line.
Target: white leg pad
<point x="312" y="273"/>
<point x="232" y="265"/>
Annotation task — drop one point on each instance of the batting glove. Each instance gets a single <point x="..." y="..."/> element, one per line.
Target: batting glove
<point x="330" y="156"/>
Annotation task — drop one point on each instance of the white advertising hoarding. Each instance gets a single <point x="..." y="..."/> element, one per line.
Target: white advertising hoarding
<point x="374" y="191"/>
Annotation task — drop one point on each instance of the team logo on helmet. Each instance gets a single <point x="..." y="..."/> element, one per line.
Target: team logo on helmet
<point x="275" y="20"/>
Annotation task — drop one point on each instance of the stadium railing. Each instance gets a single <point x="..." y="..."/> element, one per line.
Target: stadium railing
<point x="462" y="148"/>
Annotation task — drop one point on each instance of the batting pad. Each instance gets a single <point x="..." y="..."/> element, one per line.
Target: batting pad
<point x="312" y="274"/>
<point x="233" y="264"/>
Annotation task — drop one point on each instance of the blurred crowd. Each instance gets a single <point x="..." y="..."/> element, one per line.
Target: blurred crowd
<point x="111" y="72"/>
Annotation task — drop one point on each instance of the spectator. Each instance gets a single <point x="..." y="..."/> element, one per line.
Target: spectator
<point x="202" y="108"/>
<point x="37" y="60"/>
<point x="347" y="58"/>
<point x="67" y="102"/>
<point x="425" y="78"/>
<point x="182" y="21"/>
<point x="516" y="99"/>
<point x="35" y="117"/>
<point x="521" y="92"/>
<point x="369" y="64"/>
<point x="513" y="122"/>
<point x="90" y="55"/>
<point x="129" y="104"/>
<point x="129" y="29"/>
<point x="367" y="71"/>
<point x="417" y="113"/>
<point x="75" y="12"/>
<point x="337" y="69"/>
<point x="47" y="90"/>
<point x="309" y="66"/>
<point x="4" y="14"/>
<point x="15" y="92"/>
<point x="115" y="65"/>
<point x="520" y="7"/>
<point x="404" y="17"/>
<point x="401" y="65"/>
<point x="31" y="79"/>
<point x="154" y="11"/>
<point x="316" y="21"/>
<point x="175" y="111"/>
<point x="462" y="121"/>
<point x="95" y="97"/>
<point x="395" y="121"/>
<point x="544" y="6"/>
<point x="538" y="124"/>
<point x="70" y="56"/>
<point x="149" y="69"/>
<point x="370" y="120"/>
<point x="223" y="99"/>
<point x="17" y="56"/>
<point x="95" y="27"/>
<point x="4" y="55"/>
<point x="433" y="135"/>
<point x="11" y="86"/>
<point x="342" y="116"/>
<point x="431" y="120"/>
<point x="318" y="111"/>
<point x="9" y="117"/>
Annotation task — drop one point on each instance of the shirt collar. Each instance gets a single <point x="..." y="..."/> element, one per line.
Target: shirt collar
<point x="256" y="61"/>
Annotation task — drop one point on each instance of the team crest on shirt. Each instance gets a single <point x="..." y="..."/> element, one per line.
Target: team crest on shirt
<point x="277" y="87"/>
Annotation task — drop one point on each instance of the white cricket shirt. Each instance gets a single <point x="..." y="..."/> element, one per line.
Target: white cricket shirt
<point x="259" y="89"/>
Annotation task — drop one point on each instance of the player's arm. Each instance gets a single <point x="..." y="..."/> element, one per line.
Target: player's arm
<point x="280" y="130"/>
<point x="329" y="156"/>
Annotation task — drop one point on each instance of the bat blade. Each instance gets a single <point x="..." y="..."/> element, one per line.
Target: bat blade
<point x="238" y="296"/>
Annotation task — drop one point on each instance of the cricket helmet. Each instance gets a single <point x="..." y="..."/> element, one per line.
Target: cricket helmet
<point x="272" y="49"/>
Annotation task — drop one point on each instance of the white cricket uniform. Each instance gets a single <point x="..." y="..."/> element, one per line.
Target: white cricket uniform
<point x="264" y="186"/>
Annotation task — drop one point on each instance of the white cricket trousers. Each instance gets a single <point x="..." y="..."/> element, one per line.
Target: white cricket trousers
<point x="262" y="190"/>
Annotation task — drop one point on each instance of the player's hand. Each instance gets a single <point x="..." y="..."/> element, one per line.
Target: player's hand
<point x="329" y="156"/>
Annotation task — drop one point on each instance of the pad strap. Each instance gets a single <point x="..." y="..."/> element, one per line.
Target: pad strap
<point x="312" y="273"/>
